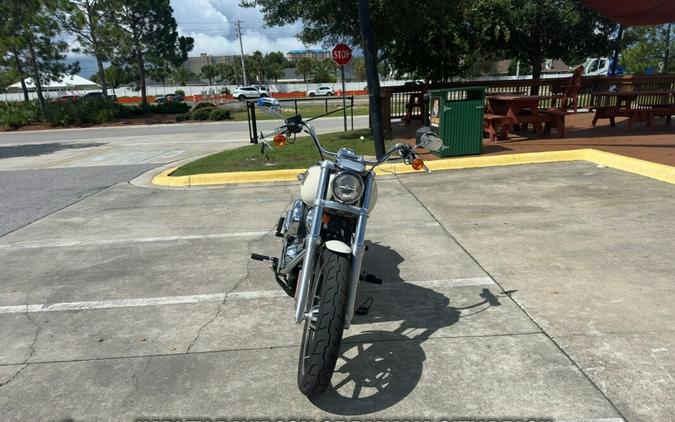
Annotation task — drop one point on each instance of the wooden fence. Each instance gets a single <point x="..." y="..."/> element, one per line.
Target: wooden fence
<point x="394" y="98"/>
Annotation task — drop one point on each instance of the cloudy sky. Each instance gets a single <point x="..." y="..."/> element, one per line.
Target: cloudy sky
<point x="213" y="25"/>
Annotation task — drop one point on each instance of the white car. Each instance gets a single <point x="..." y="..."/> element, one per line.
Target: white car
<point x="322" y="90"/>
<point x="244" y="92"/>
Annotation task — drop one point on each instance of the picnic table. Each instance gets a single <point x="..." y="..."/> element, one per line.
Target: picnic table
<point x="521" y="109"/>
<point x="638" y="106"/>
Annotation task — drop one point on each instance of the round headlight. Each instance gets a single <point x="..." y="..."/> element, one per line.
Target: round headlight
<point x="348" y="187"/>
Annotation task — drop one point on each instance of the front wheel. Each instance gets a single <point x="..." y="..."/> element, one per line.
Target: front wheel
<point x="323" y="330"/>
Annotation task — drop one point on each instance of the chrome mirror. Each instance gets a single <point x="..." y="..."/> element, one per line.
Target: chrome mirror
<point x="431" y="142"/>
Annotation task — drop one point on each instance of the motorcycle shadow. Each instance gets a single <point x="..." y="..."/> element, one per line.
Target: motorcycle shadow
<point x="376" y="368"/>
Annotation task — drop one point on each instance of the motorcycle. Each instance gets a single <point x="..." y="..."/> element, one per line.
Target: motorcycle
<point x="323" y="243"/>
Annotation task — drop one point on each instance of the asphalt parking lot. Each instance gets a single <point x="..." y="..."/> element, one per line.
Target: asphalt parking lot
<point x="535" y="291"/>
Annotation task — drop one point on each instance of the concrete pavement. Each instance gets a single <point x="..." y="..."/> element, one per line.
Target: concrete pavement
<point x="540" y="291"/>
<point x="155" y="144"/>
<point x="28" y="195"/>
<point x="43" y="171"/>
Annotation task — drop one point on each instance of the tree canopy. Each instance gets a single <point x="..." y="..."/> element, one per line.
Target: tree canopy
<point x="534" y="30"/>
<point x="149" y="37"/>
<point x="93" y="24"/>
<point x="29" y="42"/>
<point x="438" y="39"/>
<point x="648" y="48"/>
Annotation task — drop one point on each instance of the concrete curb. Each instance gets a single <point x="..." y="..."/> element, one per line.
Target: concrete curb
<point x="645" y="168"/>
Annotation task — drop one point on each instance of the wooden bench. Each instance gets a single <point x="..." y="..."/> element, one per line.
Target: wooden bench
<point x="664" y="110"/>
<point x="491" y="123"/>
<point x="415" y="100"/>
<point x="555" y="116"/>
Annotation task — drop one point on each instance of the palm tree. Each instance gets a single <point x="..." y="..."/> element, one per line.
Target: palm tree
<point x="259" y="62"/>
<point x="209" y="72"/>
<point x="359" y="68"/>
<point x="275" y="71"/>
<point x="181" y="75"/>
<point x="323" y="71"/>
<point x="226" y="72"/>
<point x="304" y="67"/>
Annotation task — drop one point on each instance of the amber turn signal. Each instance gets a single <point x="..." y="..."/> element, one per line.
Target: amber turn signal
<point x="418" y="164"/>
<point x="279" y="140"/>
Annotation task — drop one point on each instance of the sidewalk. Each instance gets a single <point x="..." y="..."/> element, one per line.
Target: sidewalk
<point x="656" y="146"/>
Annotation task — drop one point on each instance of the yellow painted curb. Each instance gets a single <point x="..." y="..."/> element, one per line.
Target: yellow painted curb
<point x="620" y="162"/>
<point x="645" y="168"/>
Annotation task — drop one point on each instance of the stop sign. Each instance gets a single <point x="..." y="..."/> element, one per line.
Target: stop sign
<point x="342" y="54"/>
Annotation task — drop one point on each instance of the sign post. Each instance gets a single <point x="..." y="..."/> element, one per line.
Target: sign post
<point x="342" y="55"/>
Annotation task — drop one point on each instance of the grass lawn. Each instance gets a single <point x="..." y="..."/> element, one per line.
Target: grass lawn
<point x="300" y="154"/>
<point x="307" y="111"/>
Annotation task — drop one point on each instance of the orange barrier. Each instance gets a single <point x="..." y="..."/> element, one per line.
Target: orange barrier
<point x="288" y="95"/>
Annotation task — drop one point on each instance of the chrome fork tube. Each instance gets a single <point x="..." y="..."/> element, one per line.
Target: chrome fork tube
<point x="313" y="240"/>
<point x="358" y="247"/>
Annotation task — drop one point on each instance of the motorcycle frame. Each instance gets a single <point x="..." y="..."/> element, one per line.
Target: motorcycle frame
<point x="313" y="243"/>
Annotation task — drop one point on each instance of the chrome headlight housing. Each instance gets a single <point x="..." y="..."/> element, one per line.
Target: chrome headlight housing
<point x="348" y="187"/>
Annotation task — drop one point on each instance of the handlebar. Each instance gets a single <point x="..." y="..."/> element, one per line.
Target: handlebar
<point x="295" y="125"/>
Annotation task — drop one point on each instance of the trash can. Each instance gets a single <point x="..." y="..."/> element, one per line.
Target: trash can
<point x="456" y="116"/>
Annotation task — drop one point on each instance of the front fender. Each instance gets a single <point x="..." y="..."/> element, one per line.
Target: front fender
<point x="338" y="247"/>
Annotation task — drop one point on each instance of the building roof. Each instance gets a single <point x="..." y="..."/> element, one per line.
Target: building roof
<point x="309" y="50"/>
<point x="65" y="82"/>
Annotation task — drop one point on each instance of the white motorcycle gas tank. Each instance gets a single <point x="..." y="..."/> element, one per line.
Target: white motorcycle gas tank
<point x="311" y="184"/>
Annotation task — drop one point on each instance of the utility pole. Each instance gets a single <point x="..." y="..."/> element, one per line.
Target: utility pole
<point x="372" y="77"/>
<point x="241" y="46"/>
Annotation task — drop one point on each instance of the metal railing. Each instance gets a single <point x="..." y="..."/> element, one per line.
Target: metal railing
<point x="394" y="99"/>
<point x="253" y="121"/>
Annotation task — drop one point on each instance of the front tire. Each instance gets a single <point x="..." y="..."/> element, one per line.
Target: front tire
<point x="322" y="334"/>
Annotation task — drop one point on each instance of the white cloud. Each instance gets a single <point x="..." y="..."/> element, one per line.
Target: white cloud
<point x="213" y="25"/>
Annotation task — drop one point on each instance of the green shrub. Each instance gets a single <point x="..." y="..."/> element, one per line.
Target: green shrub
<point x="172" y="107"/>
<point x="219" y="114"/>
<point x="83" y="111"/>
<point x="61" y="114"/>
<point x="201" y="114"/>
<point x="105" y="115"/>
<point x="123" y="111"/>
<point x="15" y="115"/>
<point x="203" y="104"/>
<point x="182" y="117"/>
<point x="180" y="92"/>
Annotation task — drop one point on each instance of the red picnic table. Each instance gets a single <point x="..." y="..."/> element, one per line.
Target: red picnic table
<point x="521" y="109"/>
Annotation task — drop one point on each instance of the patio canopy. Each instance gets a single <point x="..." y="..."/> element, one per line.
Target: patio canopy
<point x="65" y="83"/>
<point x="635" y="12"/>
